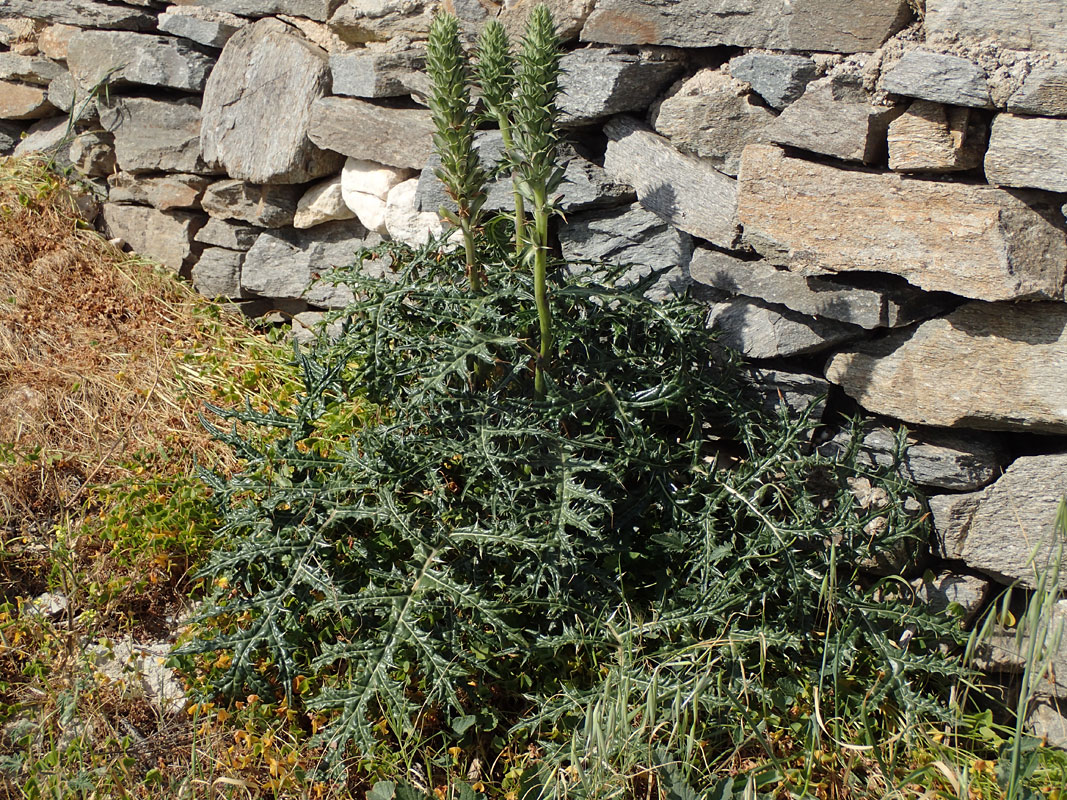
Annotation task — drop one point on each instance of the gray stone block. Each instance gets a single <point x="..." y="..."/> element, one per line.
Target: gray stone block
<point x="1043" y="92"/>
<point x="598" y="83"/>
<point x="156" y="135"/>
<point x="165" y="192"/>
<point x="758" y="330"/>
<point x="398" y="137"/>
<point x="164" y="236"/>
<point x="1028" y="152"/>
<point x="779" y="79"/>
<point x="938" y="77"/>
<point x="28" y="69"/>
<point x="122" y="57"/>
<point x="205" y="26"/>
<point x="217" y="273"/>
<point x="264" y="205"/>
<point x="376" y="73"/>
<point x="261" y="135"/>
<point x="684" y="190"/>
<point x="231" y="235"/>
<point x="83" y="13"/>
<point x="630" y="236"/>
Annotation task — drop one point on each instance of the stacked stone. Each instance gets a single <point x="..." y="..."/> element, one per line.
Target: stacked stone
<point x="870" y="203"/>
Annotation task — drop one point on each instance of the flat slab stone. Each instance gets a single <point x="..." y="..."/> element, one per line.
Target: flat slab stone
<point x="164" y="236"/>
<point x="931" y="137"/>
<point x="797" y="392"/>
<point x="164" y="192"/>
<point x="759" y="330"/>
<point x="598" y="83"/>
<point x="975" y="241"/>
<point x="50" y="136"/>
<point x="217" y="273"/>
<point x="713" y="116"/>
<point x="938" y="77"/>
<point x="814" y="296"/>
<point x="952" y="515"/>
<point x="779" y="79"/>
<point x="835" y="118"/>
<point x="312" y="9"/>
<point x="282" y="263"/>
<point x="1012" y="528"/>
<point x="376" y="73"/>
<point x="399" y="137"/>
<point x="946" y="588"/>
<point x="262" y="136"/>
<point x="570" y="15"/>
<point x="156" y="135"/>
<point x="1017" y="24"/>
<point x="205" y="26"/>
<point x="630" y="236"/>
<point x="990" y="366"/>
<point x="231" y="235"/>
<point x="360" y="22"/>
<point x="1043" y="92"/>
<point x="1028" y="151"/>
<point x="83" y="13"/>
<point x="122" y="57"/>
<point x="268" y="206"/>
<point x="28" y="69"/>
<point x="55" y="39"/>
<point x="78" y="103"/>
<point x="939" y="459"/>
<point x="820" y="25"/>
<point x="682" y="189"/>
<point x="23" y="101"/>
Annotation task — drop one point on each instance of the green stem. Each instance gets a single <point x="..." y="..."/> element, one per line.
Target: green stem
<point x="540" y="272"/>
<point x="520" y="204"/>
<point x="473" y="273"/>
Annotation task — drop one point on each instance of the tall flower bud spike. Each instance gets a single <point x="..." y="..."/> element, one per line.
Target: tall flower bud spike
<point x="460" y="171"/>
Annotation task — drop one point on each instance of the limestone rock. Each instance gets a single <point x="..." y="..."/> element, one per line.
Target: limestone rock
<point x="931" y="458"/>
<point x="684" y="190"/>
<point x="991" y="366"/>
<point x="121" y="57"/>
<point x="797" y="392"/>
<point x="779" y="79"/>
<point x="762" y="331"/>
<point x="50" y="137"/>
<point x="1028" y="151"/>
<point x="1048" y="721"/>
<point x="399" y="137"/>
<point x="930" y="137"/>
<point x="599" y="83"/>
<point x="1018" y="24"/>
<point x="55" y="39"/>
<point x="93" y="153"/>
<point x="712" y="116"/>
<point x="815" y="218"/>
<point x="262" y="136"/>
<point x="967" y="592"/>
<point x="938" y="77"/>
<point x="322" y="203"/>
<point x="231" y="235"/>
<point x="1015" y="519"/>
<point x="369" y="177"/>
<point x="822" y="25"/>
<point x="281" y="263"/>
<point x="79" y="104"/>
<point x="207" y="26"/>
<point x="570" y="16"/>
<point x="23" y="101"/>
<point x="83" y="13"/>
<point x="312" y="9"/>
<point x="834" y="117"/>
<point x="358" y="21"/>
<point x="268" y="206"/>
<point x="403" y="220"/>
<point x="952" y="515"/>
<point x="165" y="236"/>
<point x="10" y="135"/>
<point x="140" y="668"/>
<point x="632" y="237"/>
<point x="156" y="135"/>
<point x="814" y="296"/>
<point x="164" y="192"/>
<point x="1043" y="92"/>
<point x="217" y="273"/>
<point x="28" y="69"/>
<point x="374" y="73"/>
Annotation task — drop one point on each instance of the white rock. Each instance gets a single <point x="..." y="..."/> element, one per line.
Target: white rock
<point x="140" y="669"/>
<point x="370" y="177"/>
<point x="369" y="209"/>
<point x="404" y="222"/>
<point x="321" y="203"/>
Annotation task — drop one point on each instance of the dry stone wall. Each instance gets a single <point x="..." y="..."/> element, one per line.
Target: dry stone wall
<point x="869" y="196"/>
